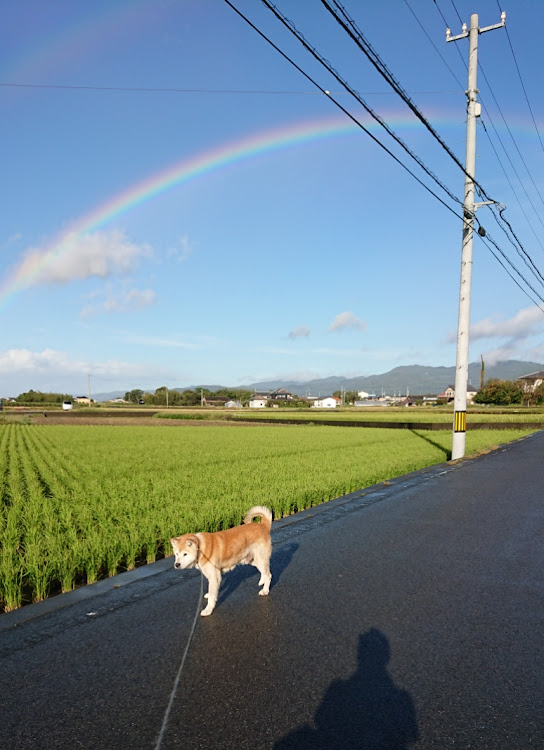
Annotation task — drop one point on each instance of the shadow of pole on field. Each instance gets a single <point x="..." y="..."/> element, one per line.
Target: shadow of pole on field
<point x="445" y="451"/>
<point x="366" y="711"/>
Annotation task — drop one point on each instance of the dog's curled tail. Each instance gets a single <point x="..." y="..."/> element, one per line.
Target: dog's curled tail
<point x="259" y="510"/>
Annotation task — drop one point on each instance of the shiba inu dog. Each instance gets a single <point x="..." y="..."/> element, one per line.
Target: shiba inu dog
<point x="216" y="553"/>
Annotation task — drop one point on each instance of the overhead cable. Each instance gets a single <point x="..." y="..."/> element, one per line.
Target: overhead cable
<point x="292" y="28"/>
<point x="481" y="232"/>
<point x="351" y="28"/>
<point x="346" y="112"/>
<point x="522" y="84"/>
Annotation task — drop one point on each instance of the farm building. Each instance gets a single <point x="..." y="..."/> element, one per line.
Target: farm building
<point x="531" y="381"/>
<point x="257" y="401"/>
<point x="261" y="398"/>
<point x="449" y="394"/>
<point x="280" y="394"/>
<point x="330" y="402"/>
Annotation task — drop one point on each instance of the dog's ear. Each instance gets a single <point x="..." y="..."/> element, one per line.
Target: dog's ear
<point x="173" y="541"/>
<point x="192" y="539"/>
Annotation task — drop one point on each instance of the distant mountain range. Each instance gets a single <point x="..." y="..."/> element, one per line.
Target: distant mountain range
<point x="416" y="379"/>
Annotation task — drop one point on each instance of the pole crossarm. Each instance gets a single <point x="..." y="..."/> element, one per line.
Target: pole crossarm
<point x="466" y="33"/>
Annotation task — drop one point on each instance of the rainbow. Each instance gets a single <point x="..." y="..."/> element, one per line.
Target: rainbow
<point x="27" y="272"/>
<point x="78" y="30"/>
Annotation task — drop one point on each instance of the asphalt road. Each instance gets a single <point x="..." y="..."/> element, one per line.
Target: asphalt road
<point x="408" y="616"/>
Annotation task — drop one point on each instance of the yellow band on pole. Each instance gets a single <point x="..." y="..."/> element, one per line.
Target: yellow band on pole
<point x="460" y="421"/>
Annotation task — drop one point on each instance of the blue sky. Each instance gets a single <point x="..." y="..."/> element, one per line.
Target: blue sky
<point x="303" y="258"/>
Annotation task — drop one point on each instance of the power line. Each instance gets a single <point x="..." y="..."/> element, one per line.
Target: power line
<point x="510" y="134"/>
<point x="434" y="45"/>
<point x="350" y="27"/>
<point x="510" y="183"/>
<point x="343" y="109"/>
<point x="292" y="28"/>
<point x="151" y="89"/>
<point x="375" y="59"/>
<point x="523" y="86"/>
<point x="314" y="52"/>
<point x="493" y="207"/>
<point x="486" y="238"/>
<point x="516" y="147"/>
<point x="373" y="56"/>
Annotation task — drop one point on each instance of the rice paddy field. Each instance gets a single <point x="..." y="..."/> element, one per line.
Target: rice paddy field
<point x="81" y="502"/>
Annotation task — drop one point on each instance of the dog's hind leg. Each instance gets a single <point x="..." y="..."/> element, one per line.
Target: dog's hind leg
<point x="214" y="581"/>
<point x="262" y="563"/>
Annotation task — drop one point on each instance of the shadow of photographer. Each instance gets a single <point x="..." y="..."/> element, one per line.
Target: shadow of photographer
<point x="365" y="711"/>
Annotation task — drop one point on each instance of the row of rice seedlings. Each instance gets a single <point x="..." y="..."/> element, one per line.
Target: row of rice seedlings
<point x="39" y="525"/>
<point x="11" y="559"/>
<point x="13" y="504"/>
<point x="11" y="508"/>
<point x="62" y="543"/>
<point x="55" y="458"/>
<point x="5" y="499"/>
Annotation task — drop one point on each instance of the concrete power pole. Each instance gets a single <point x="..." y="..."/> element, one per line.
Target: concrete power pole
<point x="469" y="208"/>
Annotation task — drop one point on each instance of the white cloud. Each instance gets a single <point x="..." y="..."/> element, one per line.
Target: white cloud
<point x="163" y="343"/>
<point x="14" y="239"/>
<point x="501" y="354"/>
<point x="297" y="376"/>
<point x="520" y="326"/>
<point x="23" y="360"/>
<point x="182" y="249"/>
<point x="299" y="332"/>
<point x="82" y="256"/>
<point x="55" y="371"/>
<point x="347" y="320"/>
<point x="322" y="350"/>
<point x="125" y="301"/>
<point x="516" y="332"/>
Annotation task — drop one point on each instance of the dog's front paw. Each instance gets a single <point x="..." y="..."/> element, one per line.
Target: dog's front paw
<point x="206" y="612"/>
<point x="262" y="592"/>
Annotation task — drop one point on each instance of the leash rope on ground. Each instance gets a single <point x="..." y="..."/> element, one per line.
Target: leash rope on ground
<point x="180" y="670"/>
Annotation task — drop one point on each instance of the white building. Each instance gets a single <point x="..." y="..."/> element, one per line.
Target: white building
<point x="330" y="402"/>
<point x="257" y="402"/>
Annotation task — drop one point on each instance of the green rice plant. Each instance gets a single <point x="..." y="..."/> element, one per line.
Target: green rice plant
<point x="11" y="560"/>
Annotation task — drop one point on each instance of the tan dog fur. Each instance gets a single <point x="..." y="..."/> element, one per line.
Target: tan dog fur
<point x="216" y="553"/>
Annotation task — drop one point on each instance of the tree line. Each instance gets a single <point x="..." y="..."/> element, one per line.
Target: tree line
<point x="493" y="392"/>
<point x="189" y="397"/>
<point x="506" y="392"/>
<point x="39" y="398"/>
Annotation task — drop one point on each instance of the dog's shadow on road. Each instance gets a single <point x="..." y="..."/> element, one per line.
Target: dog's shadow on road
<point x="280" y="560"/>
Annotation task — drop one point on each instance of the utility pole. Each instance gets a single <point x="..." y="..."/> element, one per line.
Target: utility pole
<point x="89" y="384"/>
<point x="469" y="208"/>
